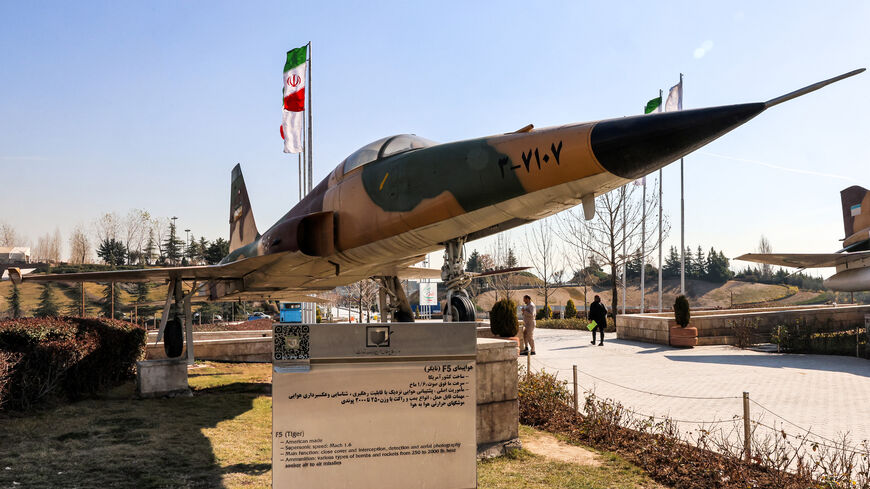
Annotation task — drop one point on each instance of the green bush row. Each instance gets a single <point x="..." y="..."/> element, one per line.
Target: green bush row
<point x="572" y="323"/>
<point x="67" y="358"/>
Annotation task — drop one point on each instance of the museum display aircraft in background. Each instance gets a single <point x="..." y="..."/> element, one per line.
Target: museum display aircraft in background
<point x="852" y="261"/>
<point x="393" y="201"/>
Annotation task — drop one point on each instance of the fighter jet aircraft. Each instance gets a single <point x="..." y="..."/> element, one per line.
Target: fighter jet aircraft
<point x="394" y="200"/>
<point x="852" y="261"/>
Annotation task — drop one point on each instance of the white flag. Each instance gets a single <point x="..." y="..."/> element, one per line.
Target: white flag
<point x="675" y="98"/>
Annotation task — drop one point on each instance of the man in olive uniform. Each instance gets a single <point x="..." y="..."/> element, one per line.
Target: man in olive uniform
<point x="598" y="313"/>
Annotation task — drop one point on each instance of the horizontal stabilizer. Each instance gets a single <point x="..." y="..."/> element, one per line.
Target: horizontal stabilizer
<point x="805" y="260"/>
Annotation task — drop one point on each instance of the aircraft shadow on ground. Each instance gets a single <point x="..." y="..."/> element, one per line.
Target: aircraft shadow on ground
<point x="827" y="363"/>
<point x="179" y="446"/>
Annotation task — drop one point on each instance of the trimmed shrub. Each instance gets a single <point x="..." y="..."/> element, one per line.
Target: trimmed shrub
<point x="503" y="319"/>
<point x="681" y="311"/>
<point x="570" y="310"/>
<point x="64" y="357"/>
<point x="573" y="323"/>
<point x="544" y="313"/>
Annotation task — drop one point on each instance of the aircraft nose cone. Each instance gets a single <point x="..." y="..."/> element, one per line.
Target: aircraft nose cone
<point x="635" y="146"/>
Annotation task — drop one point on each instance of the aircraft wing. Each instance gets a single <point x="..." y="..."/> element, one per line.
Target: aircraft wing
<point x="435" y="273"/>
<point x="236" y="269"/>
<point x="804" y="260"/>
<point x="277" y="296"/>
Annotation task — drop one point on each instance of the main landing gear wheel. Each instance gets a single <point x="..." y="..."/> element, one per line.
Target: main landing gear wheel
<point x="461" y="309"/>
<point x="456" y="281"/>
<point x="173" y="338"/>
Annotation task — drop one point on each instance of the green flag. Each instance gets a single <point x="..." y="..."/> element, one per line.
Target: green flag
<point x="654" y="105"/>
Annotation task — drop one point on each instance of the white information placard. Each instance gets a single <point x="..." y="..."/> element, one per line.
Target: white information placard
<point x="375" y="409"/>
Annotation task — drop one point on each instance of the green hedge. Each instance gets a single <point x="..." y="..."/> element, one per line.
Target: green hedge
<point x="573" y="323"/>
<point x="65" y="358"/>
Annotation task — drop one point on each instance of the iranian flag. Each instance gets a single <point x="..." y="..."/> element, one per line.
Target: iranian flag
<point x="294" y="99"/>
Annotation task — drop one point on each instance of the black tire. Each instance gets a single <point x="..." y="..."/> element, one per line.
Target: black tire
<point x="462" y="309"/>
<point x="403" y="317"/>
<point x="173" y="338"/>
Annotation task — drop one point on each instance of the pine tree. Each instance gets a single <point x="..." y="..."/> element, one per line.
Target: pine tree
<point x="15" y="302"/>
<point x="700" y="263"/>
<point x="173" y="245"/>
<point x="150" y="248"/>
<point x="112" y="252"/>
<point x="47" y="305"/>
<point x="217" y="251"/>
<point x="473" y="262"/>
<point x="201" y="248"/>
<point x="717" y="267"/>
<point x="511" y="258"/>
<point x="672" y="263"/>
<point x="690" y="263"/>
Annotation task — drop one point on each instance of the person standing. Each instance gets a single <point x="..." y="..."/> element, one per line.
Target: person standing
<point x="528" y="310"/>
<point x="598" y="313"/>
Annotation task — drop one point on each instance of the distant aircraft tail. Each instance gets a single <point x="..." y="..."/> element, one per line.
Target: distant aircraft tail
<point x="243" y="230"/>
<point x="856" y="217"/>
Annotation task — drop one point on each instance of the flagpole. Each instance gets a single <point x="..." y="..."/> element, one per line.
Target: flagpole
<point x="660" y="240"/>
<point x="303" y="168"/>
<point x="643" y="246"/>
<point x="300" y="174"/>
<point x="624" y="258"/>
<point x="310" y="144"/>
<point x="682" y="215"/>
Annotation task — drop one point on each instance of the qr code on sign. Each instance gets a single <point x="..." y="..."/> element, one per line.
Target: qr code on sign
<point x="291" y="342"/>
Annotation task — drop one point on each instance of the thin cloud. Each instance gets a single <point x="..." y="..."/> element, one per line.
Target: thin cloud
<point x="778" y="167"/>
<point x="703" y="49"/>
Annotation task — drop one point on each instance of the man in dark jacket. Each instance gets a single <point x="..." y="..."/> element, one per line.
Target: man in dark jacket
<point x="598" y="313"/>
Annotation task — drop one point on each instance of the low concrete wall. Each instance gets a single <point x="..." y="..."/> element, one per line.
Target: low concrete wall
<point x="257" y="349"/>
<point x="221" y="335"/>
<point x="714" y="328"/>
<point x="497" y="404"/>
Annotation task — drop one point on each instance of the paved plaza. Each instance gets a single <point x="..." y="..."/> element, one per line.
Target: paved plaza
<point x="826" y="394"/>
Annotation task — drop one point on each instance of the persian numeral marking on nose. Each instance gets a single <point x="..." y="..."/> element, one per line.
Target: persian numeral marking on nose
<point x="554" y="153"/>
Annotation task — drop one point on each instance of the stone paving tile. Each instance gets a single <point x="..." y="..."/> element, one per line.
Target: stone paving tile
<point x="829" y="395"/>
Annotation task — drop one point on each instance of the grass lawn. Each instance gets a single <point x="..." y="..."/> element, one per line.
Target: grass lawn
<point x="218" y="438"/>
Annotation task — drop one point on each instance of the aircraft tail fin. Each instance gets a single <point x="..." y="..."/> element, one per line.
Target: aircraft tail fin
<point x="243" y="229"/>
<point x="856" y="214"/>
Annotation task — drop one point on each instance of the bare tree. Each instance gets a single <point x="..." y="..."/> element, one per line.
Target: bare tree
<point x="8" y="237"/>
<point x="765" y="248"/>
<point x="160" y="226"/>
<point x="541" y="250"/>
<point x="136" y="229"/>
<point x="55" y="246"/>
<point x="572" y="230"/>
<point x="361" y="295"/>
<point x="502" y="255"/>
<point x="619" y="225"/>
<point x="107" y="226"/>
<point x="79" y="246"/>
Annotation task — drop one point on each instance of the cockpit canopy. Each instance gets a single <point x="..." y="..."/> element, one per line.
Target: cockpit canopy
<point x="385" y="147"/>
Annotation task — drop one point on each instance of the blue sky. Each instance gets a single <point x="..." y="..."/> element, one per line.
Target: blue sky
<point x="108" y="106"/>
